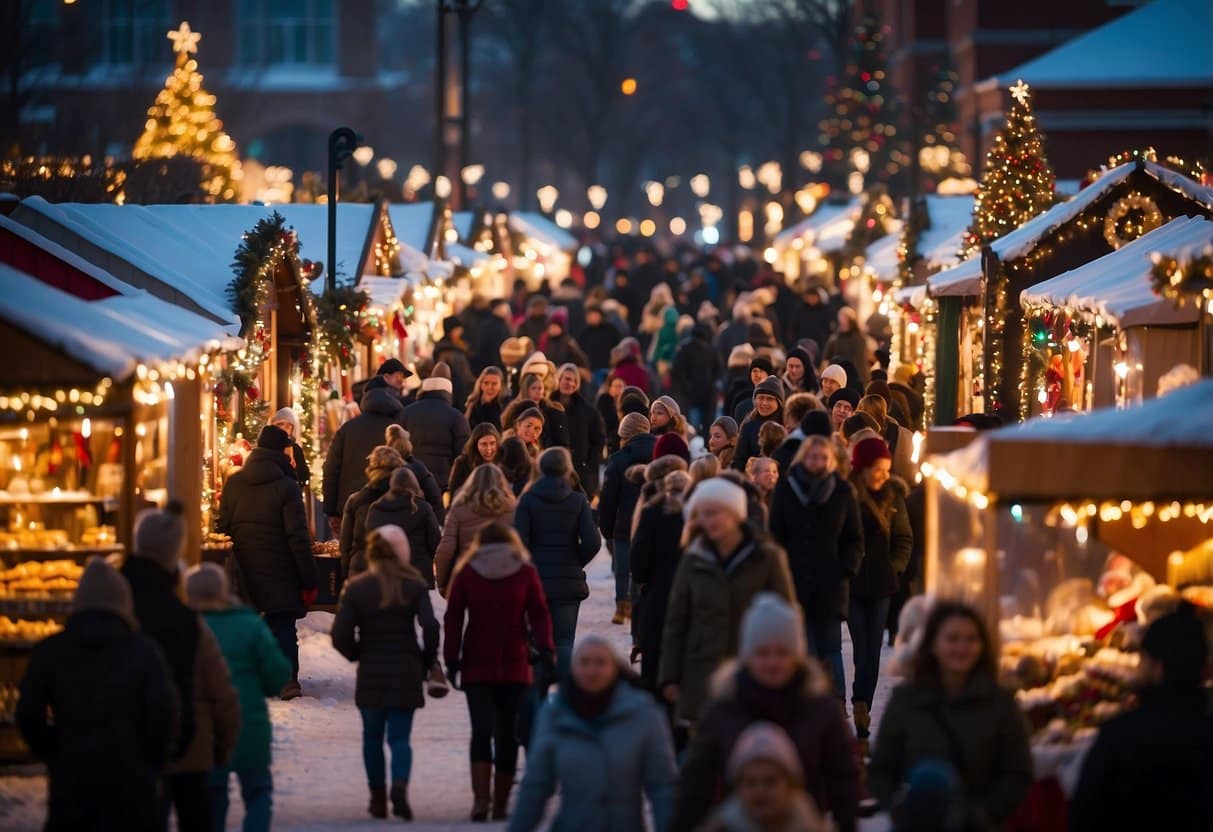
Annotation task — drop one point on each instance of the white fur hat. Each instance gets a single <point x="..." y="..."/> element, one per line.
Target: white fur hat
<point x="717" y="491"/>
<point x="398" y="540"/>
<point x="437" y="383"/>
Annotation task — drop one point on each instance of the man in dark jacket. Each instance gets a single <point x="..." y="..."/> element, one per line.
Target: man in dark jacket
<point x="630" y="297"/>
<point x="587" y="436"/>
<point x="1151" y="768"/>
<point x="437" y="429"/>
<point x="813" y="317"/>
<point x="558" y="345"/>
<point x="493" y="331"/>
<point x="99" y="707"/>
<point x="536" y="322"/>
<point x="452" y="350"/>
<point x="693" y="377"/>
<point x="346" y="461"/>
<point x="598" y="338"/>
<point x="262" y="511"/>
<point x="617" y="504"/>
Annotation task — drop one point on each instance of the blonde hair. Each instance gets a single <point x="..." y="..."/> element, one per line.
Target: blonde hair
<point x="820" y="442"/>
<point x="487" y="491"/>
<point x="398" y="439"/>
<point x="474" y="398"/>
<point x="876" y="407"/>
<point x="387" y="566"/>
<point x="751" y="465"/>
<point x="702" y="469"/>
<point x="524" y="385"/>
<point x="382" y="461"/>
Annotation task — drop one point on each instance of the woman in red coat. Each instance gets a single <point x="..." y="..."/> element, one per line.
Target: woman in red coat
<point x="497" y="590"/>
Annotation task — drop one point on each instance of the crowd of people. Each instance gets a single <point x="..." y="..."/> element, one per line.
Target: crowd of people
<point x="752" y="476"/>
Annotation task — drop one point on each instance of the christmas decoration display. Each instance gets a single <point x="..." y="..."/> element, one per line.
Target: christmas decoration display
<point x="873" y="222"/>
<point x="1130" y="218"/>
<point x="859" y="131"/>
<point x="1183" y="280"/>
<point x="938" y="156"/>
<point x="182" y="122"/>
<point x="339" y="314"/>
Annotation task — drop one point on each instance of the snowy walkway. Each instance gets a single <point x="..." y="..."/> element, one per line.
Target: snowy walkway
<point x="318" y="777"/>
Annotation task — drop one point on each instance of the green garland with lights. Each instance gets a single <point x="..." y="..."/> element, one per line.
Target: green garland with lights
<point x="339" y="315"/>
<point x="1190" y="280"/>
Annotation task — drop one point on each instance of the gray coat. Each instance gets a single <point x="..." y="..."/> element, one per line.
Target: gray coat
<point x="602" y="768"/>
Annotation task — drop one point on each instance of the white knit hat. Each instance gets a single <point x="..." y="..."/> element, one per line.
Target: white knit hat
<point x="436" y="383"/>
<point x="288" y="415"/>
<point x="771" y="620"/>
<point x="718" y="491"/>
<point x="835" y="373"/>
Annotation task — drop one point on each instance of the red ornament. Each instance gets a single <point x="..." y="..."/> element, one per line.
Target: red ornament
<point x="253" y="393"/>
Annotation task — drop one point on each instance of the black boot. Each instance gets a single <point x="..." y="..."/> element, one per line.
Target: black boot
<point x="378" y="804"/>
<point x="400" y="800"/>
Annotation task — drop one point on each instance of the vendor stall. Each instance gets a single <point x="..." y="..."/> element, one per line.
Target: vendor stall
<point x="813" y="247"/>
<point x="959" y="325"/>
<point x="1070" y="533"/>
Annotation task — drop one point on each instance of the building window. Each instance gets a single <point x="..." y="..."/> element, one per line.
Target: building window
<point x="286" y="32"/>
<point x="134" y="32"/>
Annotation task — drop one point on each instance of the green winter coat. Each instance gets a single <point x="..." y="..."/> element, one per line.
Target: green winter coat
<point x="258" y="670"/>
<point x="707" y="602"/>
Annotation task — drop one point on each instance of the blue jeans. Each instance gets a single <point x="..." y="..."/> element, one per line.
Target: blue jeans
<point x="564" y="632"/>
<point x="866" y="621"/>
<point x="824" y="636"/>
<point x="257" y="791"/>
<point x="621" y="566"/>
<point x="397" y="724"/>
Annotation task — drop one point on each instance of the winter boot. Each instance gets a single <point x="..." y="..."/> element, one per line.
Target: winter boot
<point x="863" y="720"/>
<point x="400" y="800"/>
<point x="291" y="690"/>
<point x="482" y="773"/>
<point x="378" y="804"/>
<point x="502" y="785"/>
<point x="621" y="613"/>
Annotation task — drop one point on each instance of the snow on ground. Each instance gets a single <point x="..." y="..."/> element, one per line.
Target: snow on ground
<point x="318" y="776"/>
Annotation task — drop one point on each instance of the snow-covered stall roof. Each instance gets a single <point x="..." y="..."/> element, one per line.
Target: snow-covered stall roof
<point x="411" y="222"/>
<point x="950" y="217"/>
<point x="542" y="230"/>
<point x="1023" y="239"/>
<point x="881" y="258"/>
<point x="113" y="335"/>
<point x="912" y="295"/>
<point x="1161" y="448"/>
<point x="1117" y="286"/>
<point x="962" y="280"/>
<point x="811" y="228"/>
<point x="383" y="291"/>
<point x="1162" y="44"/>
<point x="61" y="254"/>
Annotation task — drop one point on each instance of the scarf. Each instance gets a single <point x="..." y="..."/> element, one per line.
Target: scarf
<point x="810" y="490"/>
<point x="588" y="706"/>
<point x="881" y="504"/>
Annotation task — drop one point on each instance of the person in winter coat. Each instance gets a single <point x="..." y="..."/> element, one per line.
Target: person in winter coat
<point x="438" y="430"/>
<point x="492" y="332"/>
<point x="399" y="440"/>
<point x="656" y="549"/>
<point x="98" y="705"/>
<point x="262" y="512"/>
<point x="587" y="437"/>
<point x="850" y="344"/>
<point x="812" y="318"/>
<point x="722" y="440"/>
<point x="404" y="506"/>
<point x="774" y="681"/>
<point x="376" y="626"/>
<point x="556" y="525"/>
<point x="604" y="745"/>
<point x="209" y="711"/>
<point x="486" y="498"/>
<point x="453" y="351"/>
<point x="258" y="669"/>
<point x="558" y="345"/>
<point x="833" y="378"/>
<point x="532" y="393"/>
<point x="607" y="405"/>
<point x="488" y="399"/>
<point x="815" y="517"/>
<point x="768" y="407"/>
<point x="768" y="785"/>
<point x="842" y="407"/>
<point x="951" y="708"/>
<point x="693" y="377"/>
<point x="379" y="467"/>
<point x="724" y="565"/>
<point x="763" y="473"/>
<point x="598" y="338"/>
<point x="899" y="440"/>
<point x="896" y="405"/>
<point x="815" y="422"/>
<point x="518" y="457"/>
<point x="617" y="504"/>
<point x="625" y="363"/>
<point x="665" y="416"/>
<point x="907" y="381"/>
<point x="798" y="373"/>
<point x="289" y="422"/>
<point x="1163" y="748"/>
<point x="664" y="345"/>
<point x="535" y="324"/>
<point x="741" y="395"/>
<point x="344" y="466"/>
<point x="481" y="449"/>
<point x="495" y="610"/>
<point x="886" y="552"/>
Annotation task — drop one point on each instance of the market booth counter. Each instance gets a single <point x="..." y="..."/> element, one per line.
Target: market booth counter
<point x="1070" y="535"/>
<point x="95" y="424"/>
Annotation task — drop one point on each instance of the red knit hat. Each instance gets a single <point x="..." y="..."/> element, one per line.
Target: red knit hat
<point x="671" y="444"/>
<point x="865" y="454"/>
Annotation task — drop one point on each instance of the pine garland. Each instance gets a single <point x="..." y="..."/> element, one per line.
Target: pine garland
<point x="338" y="316"/>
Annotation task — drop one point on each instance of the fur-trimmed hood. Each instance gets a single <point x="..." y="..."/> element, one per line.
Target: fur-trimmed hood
<point x="723" y="684"/>
<point x="496" y="561"/>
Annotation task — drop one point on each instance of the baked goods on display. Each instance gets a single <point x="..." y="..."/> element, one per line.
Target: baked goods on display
<point x="50" y="580"/>
<point x="22" y="630"/>
<point x="326" y="549"/>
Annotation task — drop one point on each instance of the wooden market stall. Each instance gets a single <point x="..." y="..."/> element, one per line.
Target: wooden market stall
<point x="956" y="376"/>
<point x="812" y="247"/>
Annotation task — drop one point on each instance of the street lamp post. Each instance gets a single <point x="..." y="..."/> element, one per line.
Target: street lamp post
<point x="444" y="92"/>
<point x="342" y="143"/>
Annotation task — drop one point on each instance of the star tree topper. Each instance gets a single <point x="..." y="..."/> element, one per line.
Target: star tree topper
<point x="183" y="39"/>
<point x="1019" y="92"/>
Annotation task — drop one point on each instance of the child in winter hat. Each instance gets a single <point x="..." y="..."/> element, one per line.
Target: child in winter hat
<point x="207" y="587"/>
<point x="160" y="534"/>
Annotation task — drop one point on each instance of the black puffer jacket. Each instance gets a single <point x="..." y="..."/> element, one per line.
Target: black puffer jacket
<point x="656" y="550"/>
<point x="695" y="370"/>
<point x="114" y="727"/>
<point x="818" y="525"/>
<point x="747" y="439"/>
<point x="608" y="411"/>
<point x="262" y="511"/>
<point x="383" y="640"/>
<point x="887" y="541"/>
<point x="417" y="520"/>
<point x="174" y="626"/>
<point x="557" y="527"/>
<point x="490" y="335"/>
<point x="429" y="487"/>
<point x="345" y="465"/>
<point x="587" y="438"/>
<point x="490" y="412"/>
<point x="617" y="503"/>
<point x="438" y="431"/>
<point x="353" y="523"/>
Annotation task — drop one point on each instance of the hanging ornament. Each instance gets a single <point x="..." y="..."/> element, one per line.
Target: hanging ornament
<point x="1132" y="216"/>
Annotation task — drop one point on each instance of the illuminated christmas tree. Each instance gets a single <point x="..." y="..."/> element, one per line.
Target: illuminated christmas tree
<point x="182" y="122"/>
<point x="939" y="157"/>
<point x="860" y="131"/>
<point x="1017" y="182"/>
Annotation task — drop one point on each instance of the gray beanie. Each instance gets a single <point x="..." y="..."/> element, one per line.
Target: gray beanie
<point x="103" y="589"/>
<point x="160" y="536"/>
<point x="771" y="620"/>
<point x="765" y="741"/>
<point x="206" y="587"/>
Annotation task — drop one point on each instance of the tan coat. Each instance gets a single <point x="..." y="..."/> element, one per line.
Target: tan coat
<point x="216" y="709"/>
<point x="462" y="523"/>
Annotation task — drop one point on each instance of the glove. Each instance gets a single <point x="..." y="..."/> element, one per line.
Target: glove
<point x="308" y="596"/>
<point x="547" y="666"/>
<point x="452" y="675"/>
